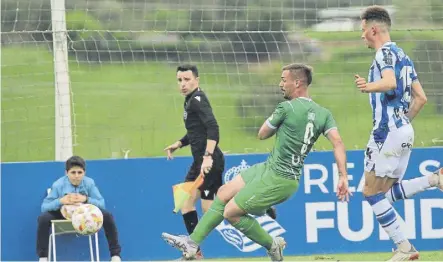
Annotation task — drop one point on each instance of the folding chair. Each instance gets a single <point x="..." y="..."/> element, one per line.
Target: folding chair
<point x="60" y="227"/>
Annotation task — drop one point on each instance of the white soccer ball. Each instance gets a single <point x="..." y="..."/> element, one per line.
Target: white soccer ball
<point x="87" y="219"/>
<point x="68" y="210"/>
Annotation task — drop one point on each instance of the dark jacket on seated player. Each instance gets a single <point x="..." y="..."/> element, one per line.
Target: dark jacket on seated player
<point x="74" y="189"/>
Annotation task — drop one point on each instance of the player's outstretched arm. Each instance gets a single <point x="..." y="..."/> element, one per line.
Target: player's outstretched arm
<point x="343" y="192"/>
<point x="418" y="100"/>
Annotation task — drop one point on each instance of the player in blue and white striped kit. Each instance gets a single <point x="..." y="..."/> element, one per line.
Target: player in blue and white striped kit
<point x="396" y="97"/>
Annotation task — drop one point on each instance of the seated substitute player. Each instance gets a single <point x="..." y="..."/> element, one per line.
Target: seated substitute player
<point x="74" y="189"/>
<point x="396" y="97"/>
<point x="297" y="123"/>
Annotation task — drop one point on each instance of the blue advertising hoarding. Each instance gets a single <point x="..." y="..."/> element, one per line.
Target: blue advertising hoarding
<point x="138" y="192"/>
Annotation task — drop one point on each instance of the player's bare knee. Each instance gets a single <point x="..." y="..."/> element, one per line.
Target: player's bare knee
<point x="228" y="210"/>
<point x="233" y="219"/>
<point x="233" y="212"/>
<point x="228" y="191"/>
<point x="229" y="215"/>
<point x="224" y="193"/>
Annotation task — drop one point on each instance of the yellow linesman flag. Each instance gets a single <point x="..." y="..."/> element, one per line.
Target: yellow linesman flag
<point x="183" y="191"/>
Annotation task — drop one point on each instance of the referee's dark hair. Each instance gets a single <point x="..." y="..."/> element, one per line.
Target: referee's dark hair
<point x="75" y="161"/>
<point x="188" y="67"/>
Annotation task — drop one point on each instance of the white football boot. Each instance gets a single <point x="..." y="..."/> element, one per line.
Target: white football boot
<point x="400" y="255"/>
<point x="184" y="243"/>
<point x="276" y="250"/>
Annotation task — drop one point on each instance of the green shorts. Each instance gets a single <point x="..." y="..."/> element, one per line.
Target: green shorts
<point x="263" y="189"/>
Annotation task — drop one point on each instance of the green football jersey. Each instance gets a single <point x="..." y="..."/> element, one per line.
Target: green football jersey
<point x="299" y="124"/>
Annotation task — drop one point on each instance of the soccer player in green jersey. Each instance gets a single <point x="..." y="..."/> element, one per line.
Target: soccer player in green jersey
<point x="297" y="123"/>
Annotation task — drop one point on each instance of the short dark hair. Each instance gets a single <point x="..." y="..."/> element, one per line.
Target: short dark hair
<point x="188" y="67"/>
<point x="376" y="13"/>
<point x="75" y="161"/>
<point x="297" y="68"/>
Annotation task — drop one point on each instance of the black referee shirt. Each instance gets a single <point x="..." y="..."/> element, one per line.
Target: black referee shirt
<point x="200" y="123"/>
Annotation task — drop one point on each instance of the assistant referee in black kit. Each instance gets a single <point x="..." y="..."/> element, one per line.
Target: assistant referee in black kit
<point x="203" y="137"/>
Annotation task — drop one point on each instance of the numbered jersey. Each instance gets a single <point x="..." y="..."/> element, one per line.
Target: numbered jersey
<point x="299" y="124"/>
<point x="389" y="109"/>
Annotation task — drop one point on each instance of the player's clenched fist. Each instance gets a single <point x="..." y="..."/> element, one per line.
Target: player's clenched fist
<point x="170" y="149"/>
<point x="360" y="82"/>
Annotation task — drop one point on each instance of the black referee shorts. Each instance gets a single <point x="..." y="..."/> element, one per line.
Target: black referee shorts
<point x="213" y="180"/>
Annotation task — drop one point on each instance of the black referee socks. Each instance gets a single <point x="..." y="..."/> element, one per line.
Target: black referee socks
<point x="191" y="220"/>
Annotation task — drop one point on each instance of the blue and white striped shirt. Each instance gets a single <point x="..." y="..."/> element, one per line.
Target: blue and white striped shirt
<point x="389" y="108"/>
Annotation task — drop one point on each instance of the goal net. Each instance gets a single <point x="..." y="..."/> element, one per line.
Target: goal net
<point x="117" y="95"/>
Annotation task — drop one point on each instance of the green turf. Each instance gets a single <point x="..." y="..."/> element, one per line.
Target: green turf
<point x="137" y="106"/>
<point x="424" y="256"/>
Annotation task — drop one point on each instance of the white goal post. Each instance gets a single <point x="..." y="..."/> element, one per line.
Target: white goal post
<point x="63" y="122"/>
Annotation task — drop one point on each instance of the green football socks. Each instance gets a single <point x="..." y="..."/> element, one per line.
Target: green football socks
<point x="210" y="220"/>
<point x="252" y="229"/>
<point x="247" y="225"/>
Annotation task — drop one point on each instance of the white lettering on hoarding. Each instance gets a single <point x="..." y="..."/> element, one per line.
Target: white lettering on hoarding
<point x="323" y="216"/>
<point x="320" y="182"/>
